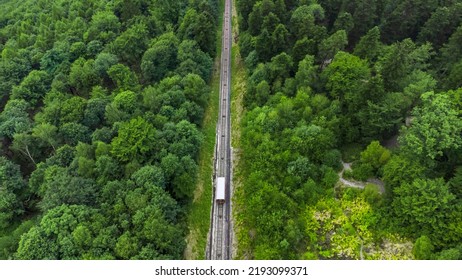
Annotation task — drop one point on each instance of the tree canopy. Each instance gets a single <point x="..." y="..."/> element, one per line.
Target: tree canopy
<point x="101" y="107"/>
<point x="375" y="84"/>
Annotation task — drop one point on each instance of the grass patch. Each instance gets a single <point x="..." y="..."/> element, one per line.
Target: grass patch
<point x="238" y="89"/>
<point x="199" y="211"/>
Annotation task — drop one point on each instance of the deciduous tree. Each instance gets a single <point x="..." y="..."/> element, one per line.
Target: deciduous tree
<point x="135" y="141"/>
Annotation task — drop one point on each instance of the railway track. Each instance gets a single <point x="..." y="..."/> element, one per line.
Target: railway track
<point x="219" y="247"/>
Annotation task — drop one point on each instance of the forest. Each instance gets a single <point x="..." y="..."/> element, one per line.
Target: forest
<point x="101" y="109"/>
<point x="352" y="132"/>
<point x="351" y="141"/>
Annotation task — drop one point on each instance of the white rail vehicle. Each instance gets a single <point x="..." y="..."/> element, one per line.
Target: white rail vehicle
<point x="220" y="190"/>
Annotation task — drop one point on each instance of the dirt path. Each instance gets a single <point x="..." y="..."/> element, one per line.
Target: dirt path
<point x="356" y="184"/>
<point x="349" y="183"/>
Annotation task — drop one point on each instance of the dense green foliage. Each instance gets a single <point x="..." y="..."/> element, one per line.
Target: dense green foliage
<point x="101" y="103"/>
<point x="328" y="75"/>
